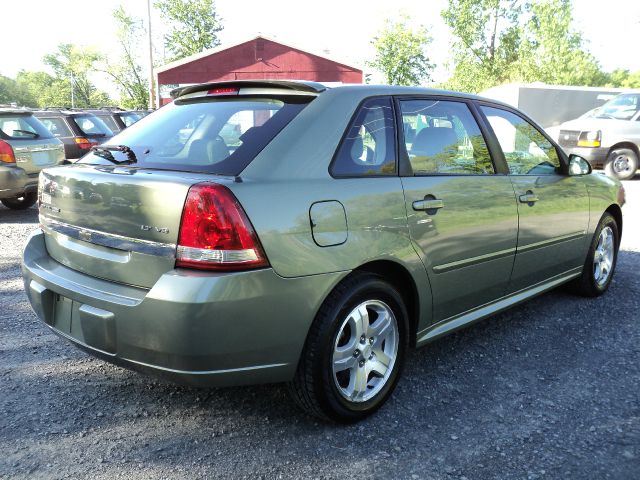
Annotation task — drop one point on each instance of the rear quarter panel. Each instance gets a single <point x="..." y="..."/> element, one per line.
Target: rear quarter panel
<point x="292" y="173"/>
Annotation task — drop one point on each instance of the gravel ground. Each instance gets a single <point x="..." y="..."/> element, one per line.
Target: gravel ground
<point x="549" y="389"/>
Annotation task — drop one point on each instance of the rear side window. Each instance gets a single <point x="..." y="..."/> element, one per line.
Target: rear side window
<point x="92" y="125"/>
<point x="215" y="135"/>
<point x="57" y="126"/>
<point x="442" y="137"/>
<point x="22" y="127"/>
<point x="368" y="147"/>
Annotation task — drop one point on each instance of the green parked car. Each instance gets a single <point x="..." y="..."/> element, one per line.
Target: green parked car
<point x="26" y="147"/>
<point x="343" y="227"/>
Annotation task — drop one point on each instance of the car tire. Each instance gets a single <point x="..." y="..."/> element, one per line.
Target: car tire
<point x="622" y="163"/>
<point x="600" y="263"/>
<point x="341" y="375"/>
<point x="20" y="203"/>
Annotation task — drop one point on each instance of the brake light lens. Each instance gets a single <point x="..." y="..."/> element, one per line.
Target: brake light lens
<point x="223" y="91"/>
<point x="215" y="233"/>
<point x="6" y="153"/>
<point x="84" y="143"/>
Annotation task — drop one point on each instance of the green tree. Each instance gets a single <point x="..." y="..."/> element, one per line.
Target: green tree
<point x="127" y="72"/>
<point x="45" y="90"/>
<point x="487" y="35"/>
<point x="401" y="53"/>
<point x="499" y="41"/>
<point x="73" y="64"/>
<point x="193" y="26"/>
<point x="557" y="54"/>
<point x="620" y="78"/>
<point x="12" y="92"/>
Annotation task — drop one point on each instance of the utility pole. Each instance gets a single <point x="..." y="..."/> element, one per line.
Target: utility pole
<point x="73" y="98"/>
<point x="152" y="93"/>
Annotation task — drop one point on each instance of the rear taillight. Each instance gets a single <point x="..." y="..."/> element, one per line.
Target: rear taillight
<point x="215" y="233"/>
<point x="84" y="143"/>
<point x="6" y="153"/>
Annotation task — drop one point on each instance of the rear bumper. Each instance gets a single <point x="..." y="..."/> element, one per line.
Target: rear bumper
<point x="597" y="157"/>
<point x="191" y="327"/>
<point x="14" y="181"/>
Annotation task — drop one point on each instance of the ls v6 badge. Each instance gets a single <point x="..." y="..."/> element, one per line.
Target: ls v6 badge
<point x="148" y="228"/>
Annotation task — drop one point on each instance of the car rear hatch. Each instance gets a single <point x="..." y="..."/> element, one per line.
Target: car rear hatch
<point x="116" y="213"/>
<point x="33" y="145"/>
<point x="92" y="128"/>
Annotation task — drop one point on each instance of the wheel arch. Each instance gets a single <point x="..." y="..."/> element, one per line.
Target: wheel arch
<point x="616" y="212"/>
<point x="624" y="144"/>
<point x="403" y="281"/>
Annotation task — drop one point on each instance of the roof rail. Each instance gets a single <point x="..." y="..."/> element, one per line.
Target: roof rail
<point x="112" y="108"/>
<point x="294" y="85"/>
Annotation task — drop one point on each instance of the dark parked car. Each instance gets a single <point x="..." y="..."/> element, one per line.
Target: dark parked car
<point x="321" y="244"/>
<point x="116" y="118"/>
<point x="78" y="130"/>
<point x="26" y="147"/>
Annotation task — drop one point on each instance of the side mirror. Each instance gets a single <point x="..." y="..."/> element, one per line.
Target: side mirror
<point x="578" y="165"/>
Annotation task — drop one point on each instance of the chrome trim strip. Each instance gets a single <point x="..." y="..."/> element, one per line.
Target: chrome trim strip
<point x="109" y="240"/>
<point x="551" y="241"/>
<point x="446" y="267"/>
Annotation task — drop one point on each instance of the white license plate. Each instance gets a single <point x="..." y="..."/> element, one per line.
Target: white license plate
<point x="45" y="198"/>
<point x="41" y="158"/>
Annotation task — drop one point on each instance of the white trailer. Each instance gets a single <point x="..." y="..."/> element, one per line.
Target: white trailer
<point x="551" y="105"/>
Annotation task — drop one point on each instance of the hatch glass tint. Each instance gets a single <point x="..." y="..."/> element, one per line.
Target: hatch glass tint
<point x="221" y="135"/>
<point x="22" y="127"/>
<point x="92" y="125"/>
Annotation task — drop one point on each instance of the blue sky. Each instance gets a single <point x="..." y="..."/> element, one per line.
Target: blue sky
<point x="344" y="28"/>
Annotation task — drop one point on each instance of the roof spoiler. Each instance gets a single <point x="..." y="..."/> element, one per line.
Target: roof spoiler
<point x="295" y="85"/>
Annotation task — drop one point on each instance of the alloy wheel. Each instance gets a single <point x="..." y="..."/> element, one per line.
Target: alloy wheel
<point x="365" y="351"/>
<point x="603" y="256"/>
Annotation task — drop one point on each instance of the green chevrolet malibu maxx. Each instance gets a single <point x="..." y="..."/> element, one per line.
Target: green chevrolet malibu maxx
<point x="274" y="231"/>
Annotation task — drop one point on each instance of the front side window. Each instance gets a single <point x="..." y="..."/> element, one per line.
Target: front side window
<point x="368" y="148"/>
<point x="526" y="150"/>
<point x="442" y="137"/>
<point x="129" y="118"/>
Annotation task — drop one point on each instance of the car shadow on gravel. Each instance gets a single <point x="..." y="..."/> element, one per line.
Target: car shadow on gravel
<point x="30" y="215"/>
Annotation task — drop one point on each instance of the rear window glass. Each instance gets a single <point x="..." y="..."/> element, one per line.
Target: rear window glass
<point x="129" y="118"/>
<point x="110" y="123"/>
<point x="22" y="127"/>
<point x="221" y="135"/>
<point x="57" y="126"/>
<point x="92" y="125"/>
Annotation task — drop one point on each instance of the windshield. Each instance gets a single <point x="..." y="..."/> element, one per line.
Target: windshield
<point x="23" y="127"/>
<point x="622" y="107"/>
<point x="92" y="125"/>
<point x="213" y="135"/>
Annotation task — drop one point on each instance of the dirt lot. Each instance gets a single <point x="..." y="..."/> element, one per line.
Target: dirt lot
<point x="550" y="389"/>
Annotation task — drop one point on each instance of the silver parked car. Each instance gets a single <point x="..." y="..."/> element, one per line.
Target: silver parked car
<point x="26" y="147"/>
<point x="608" y="136"/>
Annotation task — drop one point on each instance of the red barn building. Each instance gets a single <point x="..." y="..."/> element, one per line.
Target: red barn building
<point x="258" y="58"/>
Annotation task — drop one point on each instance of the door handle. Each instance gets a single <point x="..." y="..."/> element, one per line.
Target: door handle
<point x="528" y="197"/>
<point x="432" y="204"/>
